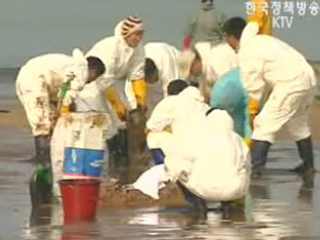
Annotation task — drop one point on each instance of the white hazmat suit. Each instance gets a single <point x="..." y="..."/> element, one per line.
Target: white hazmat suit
<point x="203" y="153"/>
<point x="183" y="113"/>
<point x="267" y="61"/>
<point x="122" y="63"/>
<point x="39" y="82"/>
<point x="165" y="58"/>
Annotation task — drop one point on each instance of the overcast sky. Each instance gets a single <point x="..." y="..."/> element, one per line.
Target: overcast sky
<point x="32" y="27"/>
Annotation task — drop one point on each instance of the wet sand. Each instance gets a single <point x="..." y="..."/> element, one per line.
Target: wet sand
<point x="281" y="205"/>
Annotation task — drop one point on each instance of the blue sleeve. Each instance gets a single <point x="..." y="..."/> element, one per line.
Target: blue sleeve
<point x="229" y="94"/>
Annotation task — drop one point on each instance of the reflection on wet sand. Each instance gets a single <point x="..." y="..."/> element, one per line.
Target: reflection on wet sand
<point x="281" y="205"/>
<point x="270" y="217"/>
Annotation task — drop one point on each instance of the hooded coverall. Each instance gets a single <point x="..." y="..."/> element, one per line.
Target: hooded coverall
<point x="292" y="80"/>
<point x="165" y="58"/>
<point x="37" y="87"/>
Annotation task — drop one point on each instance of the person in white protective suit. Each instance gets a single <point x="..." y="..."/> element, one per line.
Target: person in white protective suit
<point x="267" y="61"/>
<point x="192" y="148"/>
<point x="38" y="84"/>
<point x="161" y="65"/>
<point x="207" y="65"/>
<point x="124" y="58"/>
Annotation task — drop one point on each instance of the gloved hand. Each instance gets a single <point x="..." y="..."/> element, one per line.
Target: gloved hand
<point x="140" y="91"/>
<point x="118" y="106"/>
<point x="248" y="142"/>
<point x="254" y="106"/>
<point x="42" y="144"/>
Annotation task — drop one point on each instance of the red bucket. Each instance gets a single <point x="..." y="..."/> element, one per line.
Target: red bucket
<point x="80" y="199"/>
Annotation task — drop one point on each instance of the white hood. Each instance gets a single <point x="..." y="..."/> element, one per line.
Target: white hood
<point x="193" y="93"/>
<point x="117" y="30"/>
<point x="220" y="120"/>
<point x="80" y="69"/>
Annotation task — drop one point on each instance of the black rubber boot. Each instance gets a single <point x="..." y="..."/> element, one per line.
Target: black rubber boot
<point x="259" y="153"/>
<point x="123" y="143"/>
<point x="40" y="185"/>
<point x="198" y="204"/>
<point x="227" y="209"/>
<point x="305" y="150"/>
<point x="42" y="144"/>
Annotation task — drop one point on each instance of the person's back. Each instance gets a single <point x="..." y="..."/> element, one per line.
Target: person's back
<point x="164" y="59"/>
<point x="280" y="63"/>
<point x="188" y="115"/>
<point x="46" y="64"/>
<point x="221" y="156"/>
<point x="183" y="113"/>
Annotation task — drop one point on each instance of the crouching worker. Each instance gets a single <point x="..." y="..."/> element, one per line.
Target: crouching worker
<point x="192" y="149"/>
<point x="38" y="84"/>
<point x="180" y="115"/>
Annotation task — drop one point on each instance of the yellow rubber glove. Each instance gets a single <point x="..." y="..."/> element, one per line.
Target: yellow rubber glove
<point x="264" y="19"/>
<point x="64" y="110"/>
<point x="254" y="107"/>
<point x="248" y="142"/>
<point x="140" y="91"/>
<point x="118" y="106"/>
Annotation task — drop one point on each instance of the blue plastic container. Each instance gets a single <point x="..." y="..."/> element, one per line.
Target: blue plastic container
<point x="83" y="163"/>
<point x="158" y="156"/>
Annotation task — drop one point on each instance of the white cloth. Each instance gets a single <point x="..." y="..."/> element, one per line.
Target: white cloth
<point x="151" y="181"/>
<point x="39" y="82"/>
<point x="267" y="61"/>
<point x="165" y="58"/>
<point x="121" y="61"/>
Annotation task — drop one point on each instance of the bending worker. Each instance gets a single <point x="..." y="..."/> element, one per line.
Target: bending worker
<point x="292" y="81"/>
<point x="37" y="87"/>
<point x="161" y="67"/>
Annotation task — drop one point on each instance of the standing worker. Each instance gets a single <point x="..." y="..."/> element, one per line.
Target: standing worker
<point x="293" y="84"/>
<point x="205" y="27"/>
<point x="124" y="58"/>
<point x="261" y="12"/>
